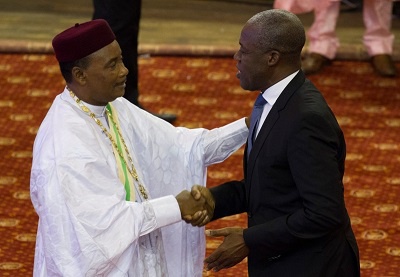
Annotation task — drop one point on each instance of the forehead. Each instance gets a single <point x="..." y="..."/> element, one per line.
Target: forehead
<point x="107" y="53"/>
<point x="248" y="36"/>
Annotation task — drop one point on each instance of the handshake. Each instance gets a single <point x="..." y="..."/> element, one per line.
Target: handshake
<point x="197" y="206"/>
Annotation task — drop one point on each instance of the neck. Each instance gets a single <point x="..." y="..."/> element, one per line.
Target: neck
<point x="81" y="97"/>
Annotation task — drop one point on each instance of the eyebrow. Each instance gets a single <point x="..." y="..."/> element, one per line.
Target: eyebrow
<point x="111" y="61"/>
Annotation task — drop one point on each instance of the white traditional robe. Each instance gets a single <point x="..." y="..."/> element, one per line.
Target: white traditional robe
<point x="86" y="228"/>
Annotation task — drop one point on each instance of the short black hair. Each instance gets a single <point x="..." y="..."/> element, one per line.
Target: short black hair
<point x="66" y="67"/>
<point x="279" y="30"/>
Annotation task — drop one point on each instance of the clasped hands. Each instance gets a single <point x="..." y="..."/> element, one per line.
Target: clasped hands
<point x="197" y="206"/>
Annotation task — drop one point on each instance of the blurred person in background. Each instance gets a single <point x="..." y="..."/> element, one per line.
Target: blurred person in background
<point x="323" y="42"/>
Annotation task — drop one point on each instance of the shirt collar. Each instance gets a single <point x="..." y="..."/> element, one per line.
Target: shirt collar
<point x="272" y="93"/>
<point x="98" y="111"/>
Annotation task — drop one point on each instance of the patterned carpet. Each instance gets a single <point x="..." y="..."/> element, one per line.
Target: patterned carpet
<point x="204" y="92"/>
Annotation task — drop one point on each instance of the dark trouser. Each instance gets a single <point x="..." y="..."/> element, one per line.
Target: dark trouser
<point x="123" y="16"/>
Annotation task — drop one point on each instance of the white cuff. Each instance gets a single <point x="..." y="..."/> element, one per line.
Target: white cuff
<point x="166" y="210"/>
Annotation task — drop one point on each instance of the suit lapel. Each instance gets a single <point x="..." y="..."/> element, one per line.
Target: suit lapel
<point x="268" y="124"/>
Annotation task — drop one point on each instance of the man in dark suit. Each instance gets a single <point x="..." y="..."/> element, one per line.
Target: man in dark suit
<point x="292" y="190"/>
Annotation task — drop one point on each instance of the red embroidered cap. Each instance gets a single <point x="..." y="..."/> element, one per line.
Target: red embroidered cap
<point x="82" y="40"/>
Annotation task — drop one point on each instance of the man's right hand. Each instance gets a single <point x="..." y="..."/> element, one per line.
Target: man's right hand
<point x="197" y="206"/>
<point x="200" y="192"/>
<point x="203" y="192"/>
<point x="193" y="210"/>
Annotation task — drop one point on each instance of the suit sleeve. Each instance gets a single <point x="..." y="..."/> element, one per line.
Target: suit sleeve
<point x="230" y="199"/>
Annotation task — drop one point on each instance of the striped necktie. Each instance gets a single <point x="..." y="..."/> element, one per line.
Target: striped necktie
<point x="255" y="117"/>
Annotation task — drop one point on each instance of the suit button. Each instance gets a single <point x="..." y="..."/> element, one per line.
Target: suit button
<point x="249" y="215"/>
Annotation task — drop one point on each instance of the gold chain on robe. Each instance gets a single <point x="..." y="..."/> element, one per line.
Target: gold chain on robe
<point x="123" y="172"/>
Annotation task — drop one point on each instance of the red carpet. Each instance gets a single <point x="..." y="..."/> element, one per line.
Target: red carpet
<point x="204" y="92"/>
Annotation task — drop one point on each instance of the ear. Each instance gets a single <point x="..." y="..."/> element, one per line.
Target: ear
<point x="273" y="57"/>
<point x="79" y="75"/>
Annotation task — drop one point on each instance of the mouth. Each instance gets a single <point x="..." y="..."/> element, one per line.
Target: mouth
<point x="238" y="74"/>
<point x="121" y="84"/>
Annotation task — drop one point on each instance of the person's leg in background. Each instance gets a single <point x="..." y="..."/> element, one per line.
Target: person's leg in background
<point x="123" y="16"/>
<point x="378" y="39"/>
<point x="295" y="6"/>
<point x="396" y="9"/>
<point x="322" y="40"/>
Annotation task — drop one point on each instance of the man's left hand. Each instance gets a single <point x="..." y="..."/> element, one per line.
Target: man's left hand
<point x="231" y="251"/>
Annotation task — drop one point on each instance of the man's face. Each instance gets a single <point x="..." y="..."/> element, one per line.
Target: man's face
<point x="252" y="67"/>
<point x="105" y="75"/>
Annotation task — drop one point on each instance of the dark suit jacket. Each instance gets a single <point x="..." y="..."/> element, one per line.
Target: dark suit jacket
<point x="298" y="224"/>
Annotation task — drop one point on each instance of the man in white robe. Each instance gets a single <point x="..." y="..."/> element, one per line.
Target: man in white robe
<point x="86" y="226"/>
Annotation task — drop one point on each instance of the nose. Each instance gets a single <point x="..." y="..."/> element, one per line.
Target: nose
<point x="124" y="71"/>
<point x="236" y="56"/>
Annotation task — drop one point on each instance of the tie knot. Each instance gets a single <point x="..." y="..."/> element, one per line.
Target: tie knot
<point x="260" y="101"/>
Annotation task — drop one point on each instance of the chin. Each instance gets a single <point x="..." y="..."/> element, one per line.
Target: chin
<point x="243" y="86"/>
<point x="119" y="92"/>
